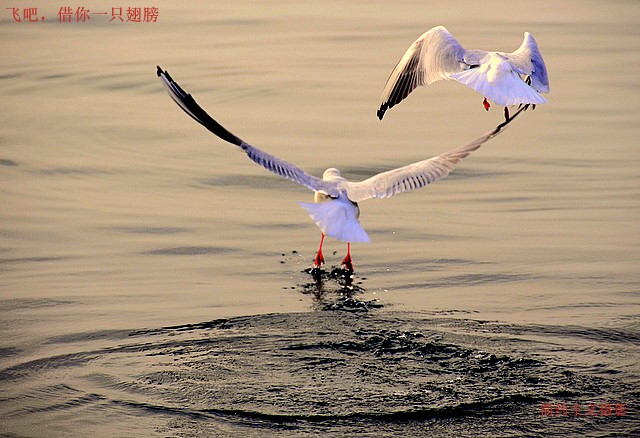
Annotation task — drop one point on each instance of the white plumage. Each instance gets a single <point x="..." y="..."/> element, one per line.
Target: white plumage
<point x="337" y="218"/>
<point x="506" y="78"/>
<point x="336" y="210"/>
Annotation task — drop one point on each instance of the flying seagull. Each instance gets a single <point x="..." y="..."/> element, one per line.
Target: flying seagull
<point x="506" y="78"/>
<point x="335" y="210"/>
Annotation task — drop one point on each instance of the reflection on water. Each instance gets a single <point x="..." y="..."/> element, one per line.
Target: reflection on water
<point x="124" y="226"/>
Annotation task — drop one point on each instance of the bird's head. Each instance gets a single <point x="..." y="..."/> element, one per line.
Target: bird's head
<point x="331" y="173"/>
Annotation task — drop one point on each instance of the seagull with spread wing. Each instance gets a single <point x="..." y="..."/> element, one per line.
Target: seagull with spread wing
<point x="506" y="78"/>
<point x="335" y="210"/>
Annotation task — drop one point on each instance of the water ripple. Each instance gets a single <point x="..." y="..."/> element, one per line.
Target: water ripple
<point x="333" y="370"/>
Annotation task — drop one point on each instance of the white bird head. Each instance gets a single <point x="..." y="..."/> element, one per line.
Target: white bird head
<point x="332" y="174"/>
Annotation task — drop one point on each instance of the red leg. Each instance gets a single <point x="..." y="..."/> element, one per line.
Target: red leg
<point x="347" y="262"/>
<point x="486" y="104"/>
<point x="319" y="260"/>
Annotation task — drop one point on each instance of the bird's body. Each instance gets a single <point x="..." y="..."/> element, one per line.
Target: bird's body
<point x="336" y="210"/>
<point x="506" y="78"/>
<point x="336" y="216"/>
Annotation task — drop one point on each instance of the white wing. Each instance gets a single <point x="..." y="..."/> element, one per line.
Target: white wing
<point x="417" y="175"/>
<point x="432" y="57"/>
<point x="498" y="77"/>
<point x="528" y="59"/>
<point x="268" y="161"/>
<point x="385" y="184"/>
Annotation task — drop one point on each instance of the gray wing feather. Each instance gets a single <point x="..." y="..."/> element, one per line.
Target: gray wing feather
<point x="432" y="57"/>
<point x="420" y="174"/>
<point x="264" y="159"/>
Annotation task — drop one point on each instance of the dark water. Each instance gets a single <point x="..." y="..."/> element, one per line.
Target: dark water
<point x="347" y="370"/>
<point x="152" y="279"/>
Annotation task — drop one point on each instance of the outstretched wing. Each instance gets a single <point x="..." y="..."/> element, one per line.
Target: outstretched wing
<point x="268" y="161"/>
<point x="418" y="175"/>
<point x="432" y="57"/>
<point x="528" y="59"/>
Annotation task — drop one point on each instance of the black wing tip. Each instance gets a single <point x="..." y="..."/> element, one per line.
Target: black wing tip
<point x="160" y="72"/>
<point x="383" y="108"/>
<point x="188" y="104"/>
<point x="164" y="73"/>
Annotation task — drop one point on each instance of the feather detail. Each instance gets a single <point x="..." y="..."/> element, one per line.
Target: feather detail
<point x="499" y="82"/>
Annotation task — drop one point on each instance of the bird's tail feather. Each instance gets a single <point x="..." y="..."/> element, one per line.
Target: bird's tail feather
<point x="337" y="219"/>
<point x="509" y="90"/>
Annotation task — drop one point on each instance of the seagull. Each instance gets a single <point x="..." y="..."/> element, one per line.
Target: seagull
<point x="335" y="210"/>
<point x="506" y="78"/>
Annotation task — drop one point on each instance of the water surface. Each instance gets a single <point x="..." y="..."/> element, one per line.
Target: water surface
<point x="151" y="277"/>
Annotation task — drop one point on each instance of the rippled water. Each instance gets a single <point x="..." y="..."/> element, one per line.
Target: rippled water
<point x="152" y="279"/>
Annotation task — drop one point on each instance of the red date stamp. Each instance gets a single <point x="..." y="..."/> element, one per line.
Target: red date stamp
<point x="561" y="409"/>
